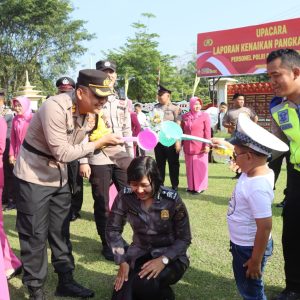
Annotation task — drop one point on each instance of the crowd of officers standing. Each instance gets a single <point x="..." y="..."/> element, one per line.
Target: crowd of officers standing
<point x="55" y="155"/>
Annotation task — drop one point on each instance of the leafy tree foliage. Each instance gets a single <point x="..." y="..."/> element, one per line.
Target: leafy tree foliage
<point x="38" y="36"/>
<point x="141" y="61"/>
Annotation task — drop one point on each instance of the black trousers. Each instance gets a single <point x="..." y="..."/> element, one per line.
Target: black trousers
<point x="43" y="214"/>
<point x="76" y="186"/>
<point x="137" y="288"/>
<point x="101" y="178"/>
<point x="276" y="164"/>
<point x="291" y="232"/>
<point x="9" y="189"/>
<point x="164" y="154"/>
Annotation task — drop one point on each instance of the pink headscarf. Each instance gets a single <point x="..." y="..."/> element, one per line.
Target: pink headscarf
<point x="189" y="117"/>
<point x="25" y="103"/>
<point x="193" y="101"/>
<point x="26" y="116"/>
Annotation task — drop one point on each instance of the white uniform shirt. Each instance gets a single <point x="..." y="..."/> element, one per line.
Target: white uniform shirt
<point x="142" y="119"/>
<point x="251" y="199"/>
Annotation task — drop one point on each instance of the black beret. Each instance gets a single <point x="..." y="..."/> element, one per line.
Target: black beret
<point x="96" y="80"/>
<point x="106" y="64"/>
<point x="65" y="84"/>
<point x="162" y="90"/>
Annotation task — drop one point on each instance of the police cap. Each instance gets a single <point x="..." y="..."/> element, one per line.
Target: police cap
<point x="255" y="137"/>
<point x="161" y="90"/>
<point x="65" y="84"/>
<point x="106" y="64"/>
<point x="96" y="80"/>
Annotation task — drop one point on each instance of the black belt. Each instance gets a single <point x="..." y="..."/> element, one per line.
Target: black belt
<point x="36" y="151"/>
<point x="31" y="149"/>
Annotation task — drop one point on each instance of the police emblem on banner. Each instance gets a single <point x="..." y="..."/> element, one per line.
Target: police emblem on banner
<point x="164" y="214"/>
<point x="283" y="116"/>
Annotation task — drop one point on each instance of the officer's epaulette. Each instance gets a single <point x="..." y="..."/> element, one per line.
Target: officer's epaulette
<point x="275" y="101"/>
<point x="127" y="190"/>
<point x="168" y="193"/>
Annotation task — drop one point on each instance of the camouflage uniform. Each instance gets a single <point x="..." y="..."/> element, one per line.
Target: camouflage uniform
<point x="162" y="230"/>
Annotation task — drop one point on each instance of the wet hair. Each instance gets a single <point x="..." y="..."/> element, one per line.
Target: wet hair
<point x="144" y="166"/>
<point x="289" y="57"/>
<point x="236" y="95"/>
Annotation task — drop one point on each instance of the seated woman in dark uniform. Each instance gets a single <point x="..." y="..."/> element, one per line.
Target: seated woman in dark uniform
<point x="157" y="256"/>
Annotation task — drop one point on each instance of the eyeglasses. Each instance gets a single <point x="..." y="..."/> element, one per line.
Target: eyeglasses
<point x="235" y="155"/>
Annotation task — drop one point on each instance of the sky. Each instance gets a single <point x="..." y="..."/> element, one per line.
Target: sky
<point x="177" y="22"/>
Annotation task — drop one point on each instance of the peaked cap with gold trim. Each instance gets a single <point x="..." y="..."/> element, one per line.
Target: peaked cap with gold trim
<point x="96" y="80"/>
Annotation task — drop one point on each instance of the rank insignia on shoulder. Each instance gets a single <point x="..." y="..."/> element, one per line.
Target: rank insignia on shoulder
<point x="164" y="214"/>
<point x="169" y="193"/>
<point x="127" y="190"/>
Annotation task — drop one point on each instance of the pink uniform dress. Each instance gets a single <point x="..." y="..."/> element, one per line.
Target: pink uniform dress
<point x="196" y="160"/>
<point x="5" y="250"/>
<point x="20" y="125"/>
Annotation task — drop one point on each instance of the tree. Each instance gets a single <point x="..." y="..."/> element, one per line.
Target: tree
<point x="187" y="75"/>
<point x="140" y="60"/>
<point x="40" y="37"/>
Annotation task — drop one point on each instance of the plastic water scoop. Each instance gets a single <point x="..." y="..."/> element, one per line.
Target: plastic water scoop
<point x="146" y="139"/>
<point x="171" y="132"/>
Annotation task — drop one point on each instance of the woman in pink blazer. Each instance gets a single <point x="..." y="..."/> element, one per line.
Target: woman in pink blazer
<point x="10" y="265"/>
<point x="197" y="123"/>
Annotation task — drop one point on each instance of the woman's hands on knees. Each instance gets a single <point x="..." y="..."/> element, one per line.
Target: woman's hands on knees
<point x="122" y="275"/>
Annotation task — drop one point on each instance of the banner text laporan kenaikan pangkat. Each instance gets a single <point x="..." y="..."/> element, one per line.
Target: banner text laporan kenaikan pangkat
<point x="242" y="51"/>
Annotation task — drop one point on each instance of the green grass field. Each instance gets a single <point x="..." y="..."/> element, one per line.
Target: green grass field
<point x="209" y="276"/>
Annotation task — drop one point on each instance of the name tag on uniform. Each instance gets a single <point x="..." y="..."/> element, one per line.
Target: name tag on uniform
<point x="286" y="126"/>
<point x="133" y="212"/>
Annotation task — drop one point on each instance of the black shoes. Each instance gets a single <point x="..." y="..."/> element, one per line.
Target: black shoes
<point x="68" y="287"/>
<point x="36" y="293"/>
<point x="74" y="216"/>
<point x="194" y="192"/>
<point x="107" y="253"/>
<point x="287" y="295"/>
<point x="11" y="205"/>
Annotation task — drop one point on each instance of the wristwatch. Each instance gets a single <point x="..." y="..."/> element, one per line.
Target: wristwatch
<point x="165" y="260"/>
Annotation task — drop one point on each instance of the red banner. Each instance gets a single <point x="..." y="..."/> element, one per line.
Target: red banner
<point x="242" y="51"/>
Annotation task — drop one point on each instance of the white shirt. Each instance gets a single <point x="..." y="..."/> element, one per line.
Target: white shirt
<point x="251" y="199"/>
<point x="142" y="119"/>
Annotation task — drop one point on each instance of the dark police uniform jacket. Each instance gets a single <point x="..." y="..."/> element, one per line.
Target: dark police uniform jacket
<point x="163" y="229"/>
